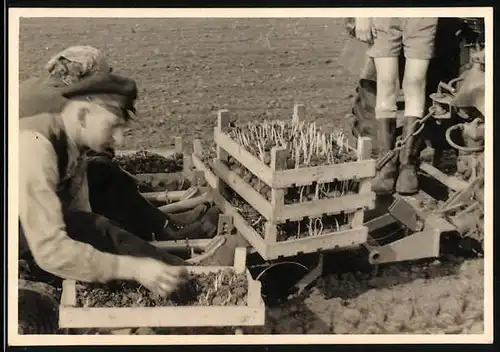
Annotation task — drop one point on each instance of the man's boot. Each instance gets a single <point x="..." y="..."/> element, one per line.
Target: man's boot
<point x="204" y="228"/>
<point x="383" y="182"/>
<point x="188" y="217"/>
<point x="407" y="182"/>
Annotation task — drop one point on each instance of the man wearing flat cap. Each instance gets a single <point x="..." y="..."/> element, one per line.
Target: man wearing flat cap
<point x="58" y="228"/>
<point x="113" y="193"/>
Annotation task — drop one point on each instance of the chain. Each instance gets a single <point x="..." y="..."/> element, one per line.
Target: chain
<point x="417" y="127"/>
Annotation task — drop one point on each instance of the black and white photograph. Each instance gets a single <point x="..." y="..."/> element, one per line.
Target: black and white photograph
<point x="311" y="175"/>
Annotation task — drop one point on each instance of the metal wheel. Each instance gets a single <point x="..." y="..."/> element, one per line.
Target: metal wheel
<point x="278" y="279"/>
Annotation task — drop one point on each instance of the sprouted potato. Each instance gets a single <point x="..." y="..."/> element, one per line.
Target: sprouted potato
<point x="307" y="144"/>
<point x="222" y="288"/>
<point x="296" y="194"/>
<point x="307" y="227"/>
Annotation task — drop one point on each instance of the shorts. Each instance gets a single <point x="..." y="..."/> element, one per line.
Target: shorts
<point x="416" y="35"/>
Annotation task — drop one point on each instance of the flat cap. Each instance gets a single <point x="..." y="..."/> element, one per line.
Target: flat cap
<point x="106" y="89"/>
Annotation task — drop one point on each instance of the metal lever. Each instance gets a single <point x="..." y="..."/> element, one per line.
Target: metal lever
<point x="403" y="212"/>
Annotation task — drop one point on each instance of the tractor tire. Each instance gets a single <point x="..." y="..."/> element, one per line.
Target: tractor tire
<point x="38" y="308"/>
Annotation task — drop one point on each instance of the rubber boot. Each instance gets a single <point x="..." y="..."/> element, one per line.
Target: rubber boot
<point x="383" y="182"/>
<point x="204" y="228"/>
<point x="188" y="217"/>
<point x="407" y="183"/>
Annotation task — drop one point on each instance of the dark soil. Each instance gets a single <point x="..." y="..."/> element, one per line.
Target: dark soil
<point x="145" y="162"/>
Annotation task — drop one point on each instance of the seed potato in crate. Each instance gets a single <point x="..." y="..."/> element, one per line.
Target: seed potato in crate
<point x="293" y="188"/>
<point x="214" y="296"/>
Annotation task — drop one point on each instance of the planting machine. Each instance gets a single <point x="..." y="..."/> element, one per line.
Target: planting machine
<point x="293" y="195"/>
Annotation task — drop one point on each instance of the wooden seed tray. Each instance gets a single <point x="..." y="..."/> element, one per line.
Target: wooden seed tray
<point x="252" y="314"/>
<point x="278" y="178"/>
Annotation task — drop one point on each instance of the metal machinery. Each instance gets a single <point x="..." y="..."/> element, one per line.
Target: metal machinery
<point x="449" y="209"/>
<point x="451" y="201"/>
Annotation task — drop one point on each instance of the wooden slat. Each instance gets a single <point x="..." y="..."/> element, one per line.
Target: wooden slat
<point x="247" y="192"/>
<point x="209" y="175"/>
<point x="253" y="164"/>
<point x="199" y="244"/>
<point x="68" y="295"/>
<point x="279" y="157"/>
<point x="348" y="203"/>
<point x="222" y="154"/>
<point x="161" y="317"/>
<point x="254" y="292"/>
<point x="164" y="196"/>
<point x="299" y="113"/>
<point x="186" y="204"/>
<point x="324" y="173"/>
<point x="197" y="147"/>
<point x="179" y="145"/>
<point x="255" y="240"/>
<point x="364" y="152"/>
<point x="450" y="181"/>
<point x="341" y="239"/>
<point x="240" y="260"/>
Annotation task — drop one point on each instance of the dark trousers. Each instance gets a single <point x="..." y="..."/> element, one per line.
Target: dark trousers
<point x="114" y="194"/>
<point x="122" y="221"/>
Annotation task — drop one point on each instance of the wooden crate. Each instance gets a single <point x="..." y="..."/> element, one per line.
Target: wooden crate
<point x="196" y="173"/>
<point x="278" y="179"/>
<point x="252" y="314"/>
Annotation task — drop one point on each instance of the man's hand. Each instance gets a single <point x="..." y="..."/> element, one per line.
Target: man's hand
<point x="159" y="278"/>
<point x="364" y="29"/>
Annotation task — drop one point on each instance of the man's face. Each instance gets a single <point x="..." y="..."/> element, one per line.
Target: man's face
<point x="102" y="128"/>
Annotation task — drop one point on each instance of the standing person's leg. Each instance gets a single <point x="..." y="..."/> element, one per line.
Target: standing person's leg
<point x="419" y="36"/>
<point x="385" y="51"/>
<point x="114" y="194"/>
